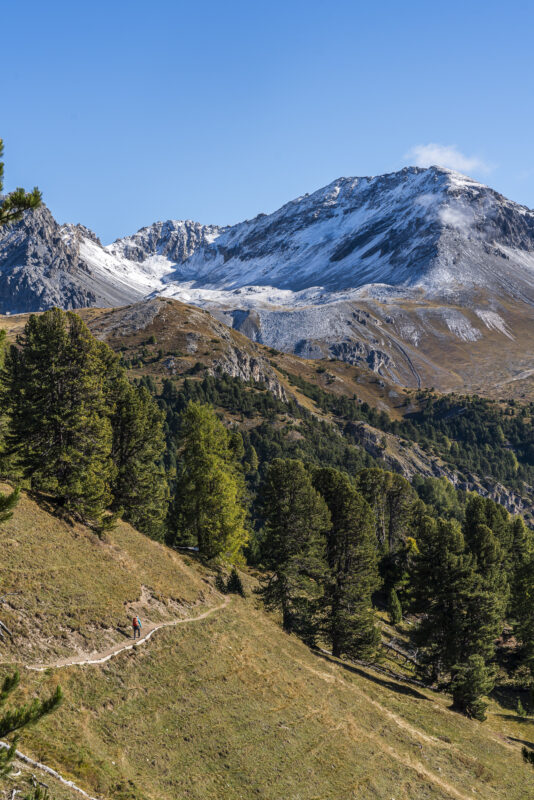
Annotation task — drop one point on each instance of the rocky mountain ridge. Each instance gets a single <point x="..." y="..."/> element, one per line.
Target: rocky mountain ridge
<point x="424" y="276"/>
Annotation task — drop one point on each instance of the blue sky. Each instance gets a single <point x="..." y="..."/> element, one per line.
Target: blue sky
<point x="127" y="112"/>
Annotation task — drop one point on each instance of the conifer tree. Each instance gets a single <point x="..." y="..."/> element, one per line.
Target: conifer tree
<point x="296" y="520"/>
<point x="472" y="680"/>
<point x="7" y="504"/>
<point x="235" y="584"/>
<point x="460" y="617"/>
<point x="139" y="488"/>
<point x="59" y="430"/>
<point x="394" y="607"/>
<point x="13" y="205"/>
<point x="352" y="560"/>
<point x="208" y="503"/>
<point x="522" y="609"/>
<point x="392" y="500"/>
<point x="482" y="542"/>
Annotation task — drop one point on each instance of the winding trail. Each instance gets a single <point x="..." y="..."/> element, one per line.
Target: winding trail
<point x="101" y="658"/>
<point x="107" y="655"/>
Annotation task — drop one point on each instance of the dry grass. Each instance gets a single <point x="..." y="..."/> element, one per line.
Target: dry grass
<point x="73" y="590"/>
<point x="229" y="707"/>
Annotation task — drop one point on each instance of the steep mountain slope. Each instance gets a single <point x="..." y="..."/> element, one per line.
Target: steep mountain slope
<point x="424" y="276"/>
<point x="226" y="706"/>
<point x="429" y="229"/>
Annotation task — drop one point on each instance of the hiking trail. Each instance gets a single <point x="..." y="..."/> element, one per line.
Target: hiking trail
<point x="107" y="655"/>
<point x="101" y="658"/>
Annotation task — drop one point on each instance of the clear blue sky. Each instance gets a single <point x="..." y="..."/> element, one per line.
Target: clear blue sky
<point x="127" y="112"/>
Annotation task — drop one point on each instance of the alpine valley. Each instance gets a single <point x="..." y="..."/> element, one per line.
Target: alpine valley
<point x="424" y="276"/>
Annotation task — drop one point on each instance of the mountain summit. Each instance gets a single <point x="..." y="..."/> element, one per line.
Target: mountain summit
<point x="385" y="269"/>
<point x="418" y="228"/>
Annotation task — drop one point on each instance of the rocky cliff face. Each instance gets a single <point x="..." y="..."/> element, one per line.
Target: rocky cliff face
<point x="43" y="264"/>
<point x="409" y="459"/>
<point x="175" y="240"/>
<point x="429" y="229"/>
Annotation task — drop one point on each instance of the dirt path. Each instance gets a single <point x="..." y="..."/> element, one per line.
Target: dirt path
<point x="413" y="764"/>
<point x="106" y="655"/>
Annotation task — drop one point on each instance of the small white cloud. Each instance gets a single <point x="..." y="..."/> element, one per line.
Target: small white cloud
<point x="455" y="217"/>
<point x="426" y="200"/>
<point x="428" y="155"/>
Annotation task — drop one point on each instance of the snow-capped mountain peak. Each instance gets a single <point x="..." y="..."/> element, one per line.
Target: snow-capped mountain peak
<point x="373" y="268"/>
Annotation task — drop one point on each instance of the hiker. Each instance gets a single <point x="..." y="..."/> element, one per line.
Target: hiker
<point x="136" y="625"/>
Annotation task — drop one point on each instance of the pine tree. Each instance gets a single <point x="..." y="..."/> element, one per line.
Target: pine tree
<point x="352" y="560"/>
<point x="296" y="520"/>
<point x="252" y="462"/>
<point x="472" y="680"/>
<point x="460" y="617"/>
<point x="139" y="488"/>
<point x="54" y="389"/>
<point x="19" y="717"/>
<point x="394" y="607"/>
<point x="522" y="609"/>
<point x="208" y="502"/>
<point x="13" y="205"/>
<point x="392" y="500"/>
<point x="482" y="542"/>
<point x="235" y="584"/>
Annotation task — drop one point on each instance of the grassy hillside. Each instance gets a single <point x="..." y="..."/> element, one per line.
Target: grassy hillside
<point x="75" y="593"/>
<point x="228" y="706"/>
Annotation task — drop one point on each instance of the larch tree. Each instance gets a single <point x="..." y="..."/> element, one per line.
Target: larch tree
<point x="208" y="504"/>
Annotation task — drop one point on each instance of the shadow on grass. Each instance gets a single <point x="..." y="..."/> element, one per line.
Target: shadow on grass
<point x="515" y="718"/>
<point x="521" y="741"/>
<point x="386" y="684"/>
<point x="126" y="634"/>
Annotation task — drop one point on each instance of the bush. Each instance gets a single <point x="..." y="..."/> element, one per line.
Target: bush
<point x="520" y="710"/>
